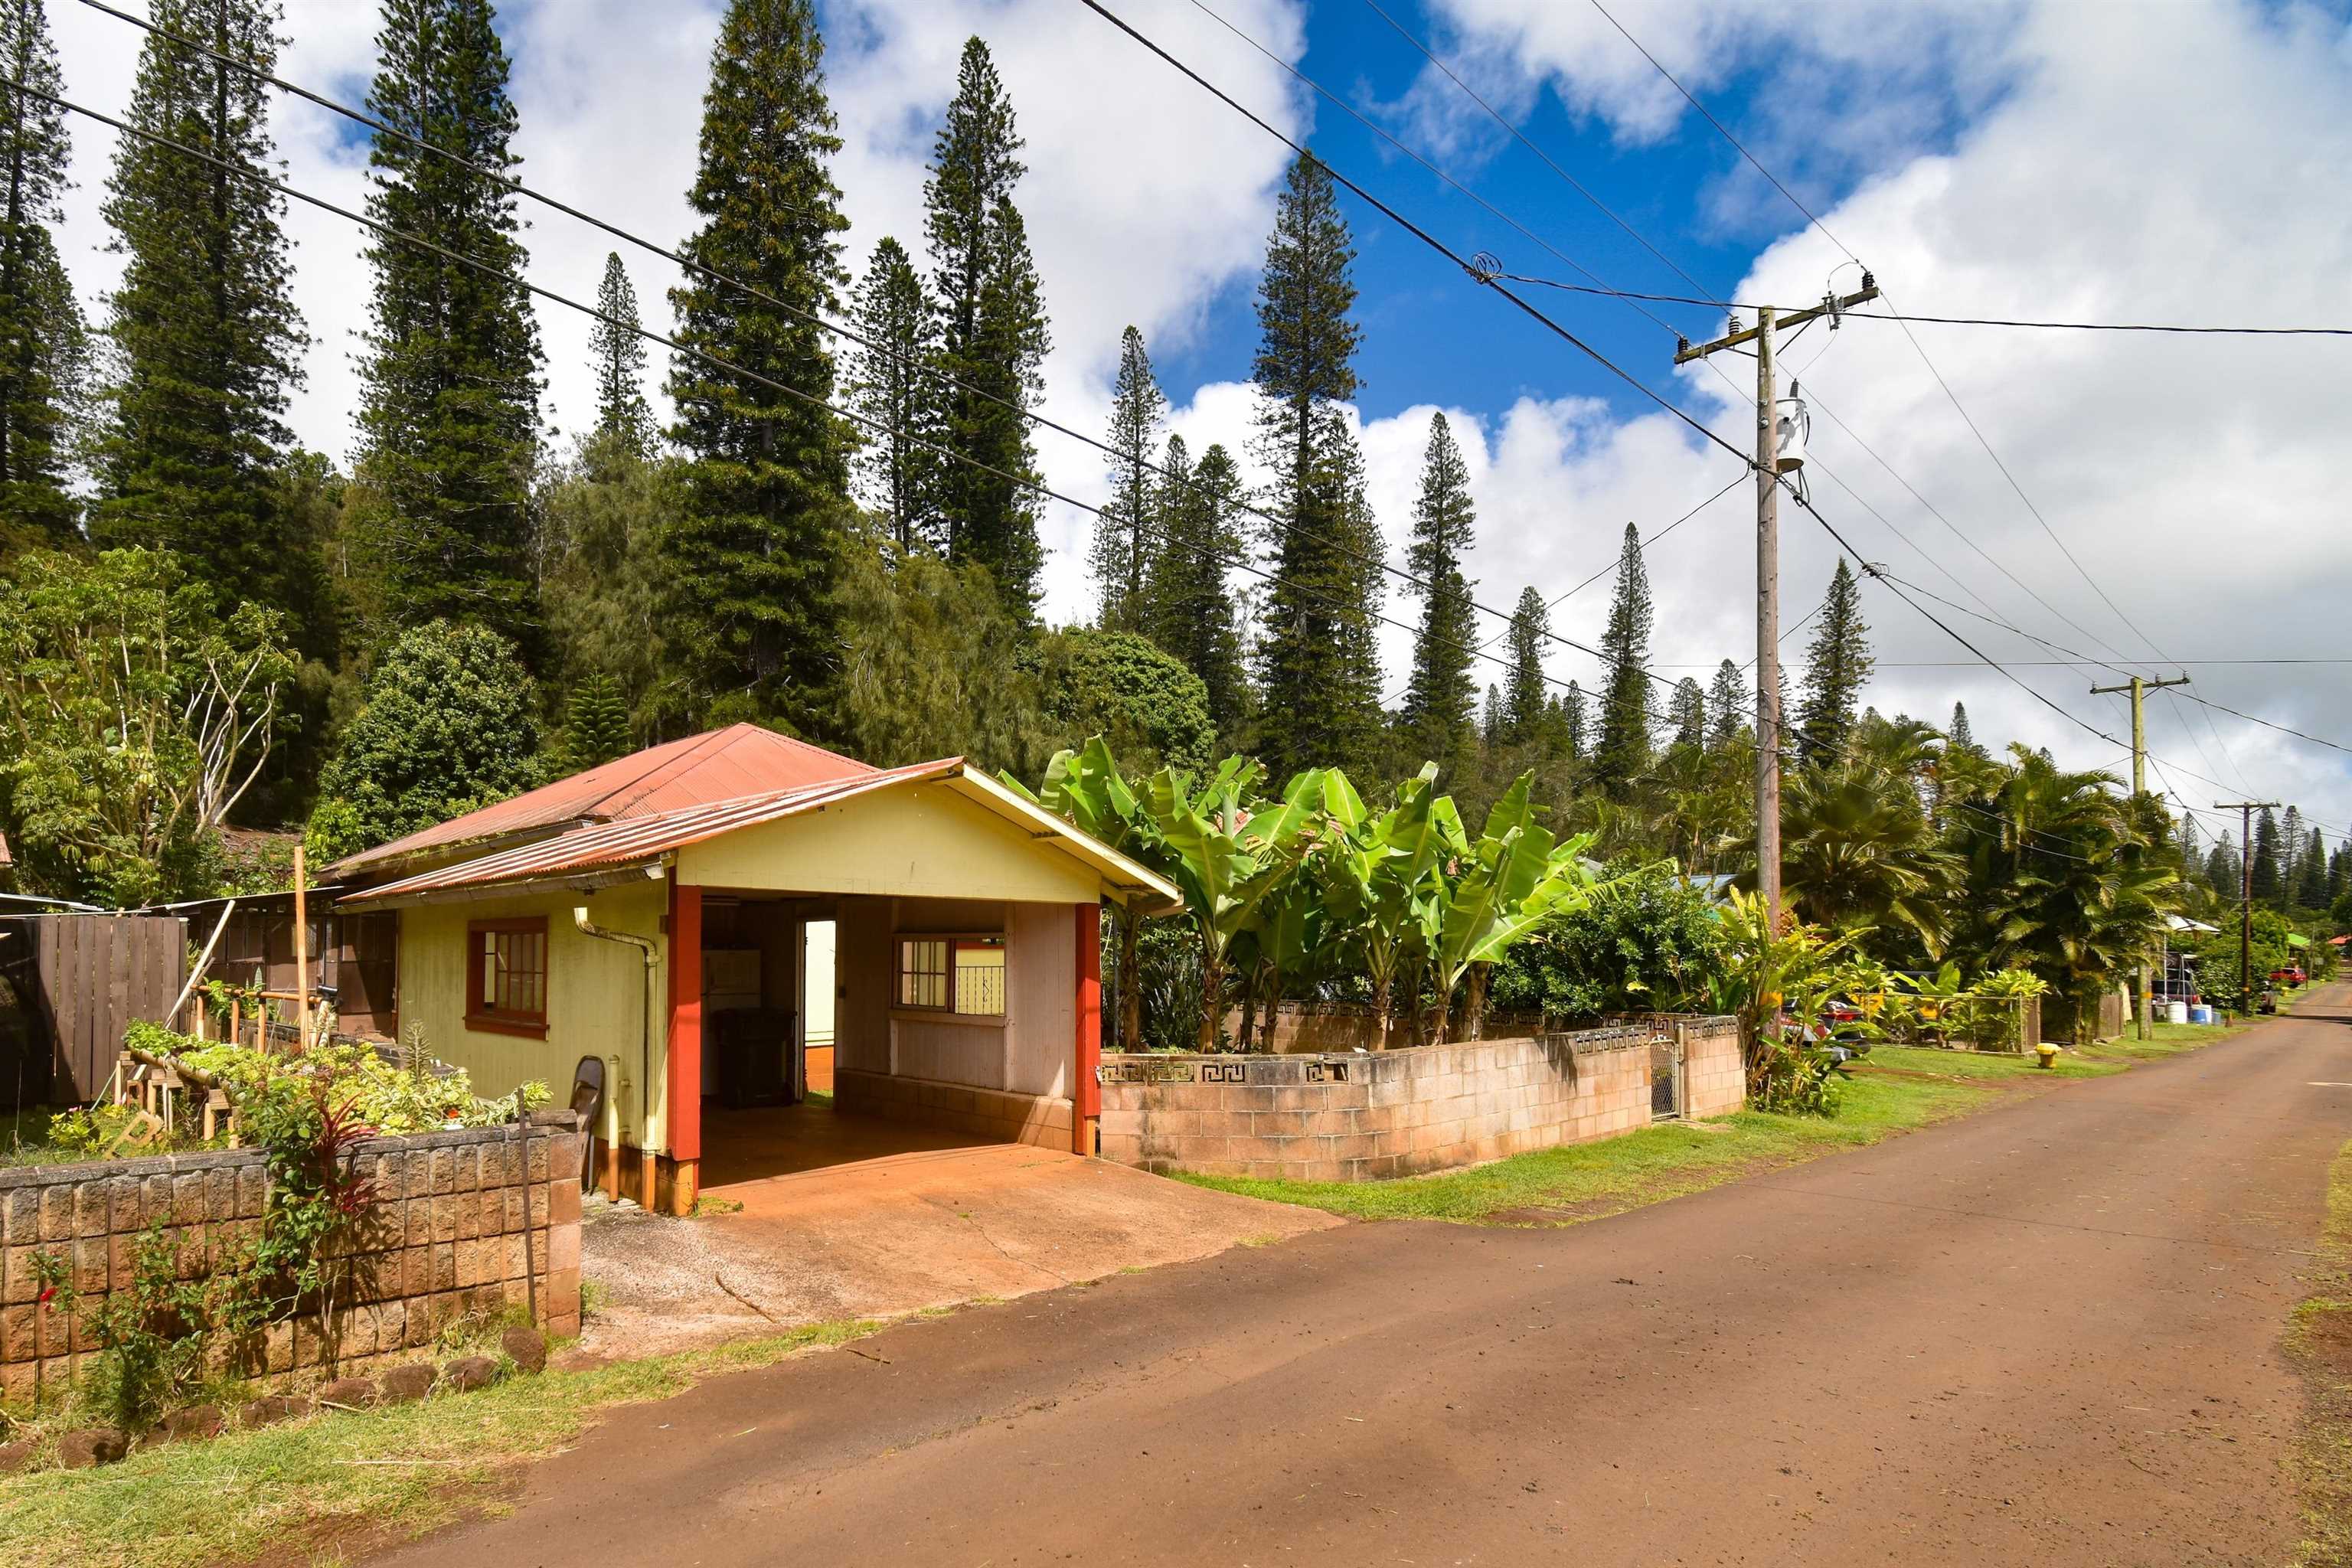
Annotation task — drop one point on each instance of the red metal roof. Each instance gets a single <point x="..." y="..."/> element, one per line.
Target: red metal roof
<point x="730" y="765"/>
<point x="640" y="839"/>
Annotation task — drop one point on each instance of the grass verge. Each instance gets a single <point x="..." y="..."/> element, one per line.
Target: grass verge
<point x="1901" y="1088"/>
<point x="2319" y="1343"/>
<point x="407" y="1469"/>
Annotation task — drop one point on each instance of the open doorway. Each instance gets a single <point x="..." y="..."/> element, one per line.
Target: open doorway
<point x="771" y="993"/>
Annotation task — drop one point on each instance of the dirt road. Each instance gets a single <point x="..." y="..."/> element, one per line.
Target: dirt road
<point x="2046" y="1334"/>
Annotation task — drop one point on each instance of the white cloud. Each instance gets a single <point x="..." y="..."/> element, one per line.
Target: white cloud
<point x="1143" y="197"/>
<point x="2097" y="169"/>
<point x="2176" y="172"/>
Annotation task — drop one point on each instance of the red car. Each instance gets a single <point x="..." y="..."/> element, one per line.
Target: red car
<point x="2290" y="975"/>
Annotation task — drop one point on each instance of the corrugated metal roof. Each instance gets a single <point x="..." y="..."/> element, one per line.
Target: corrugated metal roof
<point x="610" y="846"/>
<point x="638" y="839"/>
<point x="733" y="763"/>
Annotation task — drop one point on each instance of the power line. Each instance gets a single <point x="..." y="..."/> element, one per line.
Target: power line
<point x="1725" y="132"/>
<point x="1578" y="186"/>
<point x="1471" y="271"/>
<point x="851" y="334"/>
<point x="1608" y="294"/>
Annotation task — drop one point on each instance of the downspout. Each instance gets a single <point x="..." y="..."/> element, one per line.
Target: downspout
<point x="644" y="1014"/>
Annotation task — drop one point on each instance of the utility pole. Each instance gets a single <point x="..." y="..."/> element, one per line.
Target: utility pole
<point x="2245" y="810"/>
<point x="2139" y="688"/>
<point x="1768" y="465"/>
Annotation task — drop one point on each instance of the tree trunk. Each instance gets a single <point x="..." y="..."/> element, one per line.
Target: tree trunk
<point x="1475" y="1002"/>
<point x="1130" y="988"/>
<point x="1381" y="990"/>
<point x="1213" y="996"/>
<point x="1249" y="1011"/>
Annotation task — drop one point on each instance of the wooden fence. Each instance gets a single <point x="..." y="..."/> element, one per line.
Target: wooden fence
<point x="73" y="983"/>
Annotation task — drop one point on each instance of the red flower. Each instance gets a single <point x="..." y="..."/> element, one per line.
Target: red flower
<point x="48" y="1293"/>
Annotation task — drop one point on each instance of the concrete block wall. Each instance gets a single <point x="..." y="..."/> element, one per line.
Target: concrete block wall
<point x="468" y="1222"/>
<point x="1714" y="1076"/>
<point x="1359" y="1117"/>
<point x="1042" y="1119"/>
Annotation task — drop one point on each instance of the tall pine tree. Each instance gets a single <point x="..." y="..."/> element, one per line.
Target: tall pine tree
<point x="1576" y="715"/>
<point x="992" y="331"/>
<point x="1729" y="706"/>
<point x="1687" y="712"/>
<point x="1440" y="701"/>
<point x="1188" y="611"/>
<point x="1623" y="749"/>
<point x="1318" y="669"/>
<point x="1127" y="532"/>
<point x="1837" y="664"/>
<point x="450" y="379"/>
<point x="44" y="344"/>
<point x="617" y="353"/>
<point x="1524" y="695"/>
<point x="206" y="341"/>
<point x="2268" y="884"/>
<point x="888" y="384"/>
<point x="2310" y="875"/>
<point x="758" y="553"/>
<point x="1961" y="737"/>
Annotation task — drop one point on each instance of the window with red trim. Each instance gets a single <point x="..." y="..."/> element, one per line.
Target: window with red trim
<point x="505" y="977"/>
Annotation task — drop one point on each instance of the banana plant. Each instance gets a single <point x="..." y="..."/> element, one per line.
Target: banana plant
<point x="1227" y="860"/>
<point x="1085" y="788"/>
<point x="1378" y="879"/>
<point x="1514" y="878"/>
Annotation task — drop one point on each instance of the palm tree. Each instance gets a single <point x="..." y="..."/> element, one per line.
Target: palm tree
<point x="1857" y="852"/>
<point x="2060" y="879"/>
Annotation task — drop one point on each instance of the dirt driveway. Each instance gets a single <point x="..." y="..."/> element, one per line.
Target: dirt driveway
<point x="2048" y="1334"/>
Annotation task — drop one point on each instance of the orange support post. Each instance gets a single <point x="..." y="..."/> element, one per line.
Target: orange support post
<point x="684" y="1098"/>
<point x="1085" y="1089"/>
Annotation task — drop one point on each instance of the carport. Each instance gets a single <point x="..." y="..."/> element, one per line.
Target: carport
<point x="675" y="947"/>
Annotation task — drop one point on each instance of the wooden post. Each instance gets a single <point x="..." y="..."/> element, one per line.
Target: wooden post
<point x="1085" y="1089"/>
<point x="682" y="1105"/>
<point x="1767" y="628"/>
<point x="301" y="958"/>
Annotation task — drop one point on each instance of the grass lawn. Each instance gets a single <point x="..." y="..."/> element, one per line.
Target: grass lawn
<point x="296" y="1491"/>
<point x="1900" y="1087"/>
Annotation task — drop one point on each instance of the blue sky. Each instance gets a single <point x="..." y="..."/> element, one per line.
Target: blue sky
<point x="1998" y="157"/>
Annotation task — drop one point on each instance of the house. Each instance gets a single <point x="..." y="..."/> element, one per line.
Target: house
<point x="673" y="913"/>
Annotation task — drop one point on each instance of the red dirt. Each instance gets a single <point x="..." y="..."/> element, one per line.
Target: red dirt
<point x="2048" y="1333"/>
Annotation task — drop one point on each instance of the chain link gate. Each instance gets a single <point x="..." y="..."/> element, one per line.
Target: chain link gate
<point x="1665" y="1076"/>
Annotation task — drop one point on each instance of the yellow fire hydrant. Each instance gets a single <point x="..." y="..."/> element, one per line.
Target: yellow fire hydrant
<point x="2048" y="1054"/>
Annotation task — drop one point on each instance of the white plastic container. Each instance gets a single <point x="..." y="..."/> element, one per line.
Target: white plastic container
<point x="2177" y="1012"/>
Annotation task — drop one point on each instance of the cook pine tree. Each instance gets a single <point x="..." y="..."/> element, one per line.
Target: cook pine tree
<point x="993" y="333"/>
<point x="1441" y="700"/>
<point x="757" y="553"/>
<point x="449" y="373"/>
<point x="2311" y="877"/>
<point x="616" y="352"/>
<point x="891" y="388"/>
<point x="1622" y="751"/>
<point x="1523" y="697"/>
<point x="1837" y="666"/>
<point x="1576" y="720"/>
<point x="1127" y="532"/>
<point x="1686" y="711"/>
<point x="2268" y="884"/>
<point x="1189" y="610"/>
<point x="1319" y="671"/>
<point x="44" y="343"/>
<point x="206" y="344"/>
<point x="1960" y="736"/>
<point x="1729" y="706"/>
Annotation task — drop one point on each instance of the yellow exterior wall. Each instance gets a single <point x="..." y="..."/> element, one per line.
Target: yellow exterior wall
<point x="595" y="991"/>
<point x="921" y="842"/>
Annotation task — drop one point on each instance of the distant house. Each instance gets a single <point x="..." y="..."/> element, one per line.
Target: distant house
<point x="656" y="914"/>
